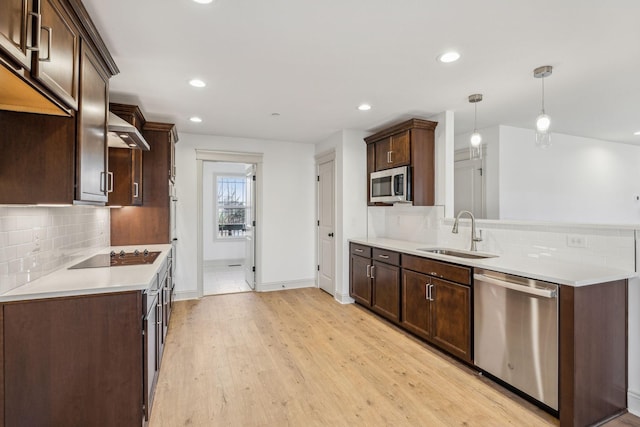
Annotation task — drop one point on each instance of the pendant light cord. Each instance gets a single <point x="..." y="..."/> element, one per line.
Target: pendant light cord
<point x="475" y="117"/>
<point x="542" y="95"/>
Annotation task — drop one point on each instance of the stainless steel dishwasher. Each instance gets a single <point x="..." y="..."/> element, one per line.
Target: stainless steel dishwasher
<point x="516" y="332"/>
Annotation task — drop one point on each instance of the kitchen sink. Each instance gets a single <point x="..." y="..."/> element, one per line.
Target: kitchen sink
<point x="457" y="253"/>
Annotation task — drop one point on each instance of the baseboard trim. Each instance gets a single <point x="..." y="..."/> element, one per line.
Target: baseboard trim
<point x="185" y="295"/>
<point x="291" y="284"/>
<point x="344" y="299"/>
<point x="633" y="402"/>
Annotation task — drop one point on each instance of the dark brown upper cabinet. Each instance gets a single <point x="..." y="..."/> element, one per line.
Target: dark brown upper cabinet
<point x="410" y="143"/>
<point x="125" y="164"/>
<point x="59" y="156"/>
<point x="40" y="55"/>
<point x="56" y="63"/>
<point x="15" y="39"/>
<point x="150" y="223"/>
<point x="92" y="181"/>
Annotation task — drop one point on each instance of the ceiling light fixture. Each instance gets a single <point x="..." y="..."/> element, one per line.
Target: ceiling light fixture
<point x="475" y="150"/>
<point x="364" y="107"/>
<point x="197" y="83"/>
<point x="637" y="133"/>
<point x="196" y="119"/>
<point x="448" y="57"/>
<point x="543" y="122"/>
<point x="203" y="1"/>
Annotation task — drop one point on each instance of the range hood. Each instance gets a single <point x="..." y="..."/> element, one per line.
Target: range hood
<point x="121" y="134"/>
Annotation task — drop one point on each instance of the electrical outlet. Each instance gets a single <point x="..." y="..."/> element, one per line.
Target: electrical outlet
<point x="576" y="241"/>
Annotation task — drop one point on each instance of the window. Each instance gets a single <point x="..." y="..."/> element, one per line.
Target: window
<point x="231" y="206"/>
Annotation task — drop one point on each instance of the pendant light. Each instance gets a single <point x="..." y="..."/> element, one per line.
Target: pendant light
<point x="543" y="122"/>
<point x="475" y="150"/>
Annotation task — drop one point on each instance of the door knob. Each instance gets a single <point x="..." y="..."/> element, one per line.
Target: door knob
<point x="330" y="234"/>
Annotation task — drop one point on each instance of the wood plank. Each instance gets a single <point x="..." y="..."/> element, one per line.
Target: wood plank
<point x="299" y="358"/>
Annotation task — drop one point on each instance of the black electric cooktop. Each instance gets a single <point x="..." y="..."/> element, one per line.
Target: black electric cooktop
<point x="118" y="259"/>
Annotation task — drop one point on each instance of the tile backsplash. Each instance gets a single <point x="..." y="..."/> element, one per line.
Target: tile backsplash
<point x="539" y="242"/>
<point x="35" y="241"/>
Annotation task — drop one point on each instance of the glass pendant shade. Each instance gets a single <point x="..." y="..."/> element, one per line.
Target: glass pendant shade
<point x="543" y="122"/>
<point x="476" y="139"/>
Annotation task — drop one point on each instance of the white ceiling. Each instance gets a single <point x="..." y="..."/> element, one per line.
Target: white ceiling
<point x="315" y="61"/>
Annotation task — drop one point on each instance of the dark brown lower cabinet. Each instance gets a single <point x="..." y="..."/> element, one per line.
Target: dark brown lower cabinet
<point x="376" y="284"/>
<point x="386" y="290"/>
<point x="439" y="311"/>
<point x="360" y="286"/>
<point x="72" y="361"/>
<point x="593" y="353"/>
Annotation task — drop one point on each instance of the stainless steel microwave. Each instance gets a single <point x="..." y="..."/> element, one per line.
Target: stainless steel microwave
<point x="391" y="185"/>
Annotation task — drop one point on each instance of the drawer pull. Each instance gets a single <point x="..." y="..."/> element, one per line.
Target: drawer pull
<point x="384" y="256"/>
<point x="359" y="250"/>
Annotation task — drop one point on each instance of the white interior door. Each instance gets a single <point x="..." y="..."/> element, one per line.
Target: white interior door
<point x="469" y="187"/>
<point x="249" y="266"/>
<point x="326" y="241"/>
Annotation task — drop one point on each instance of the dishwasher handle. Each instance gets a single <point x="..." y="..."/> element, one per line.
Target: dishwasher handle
<point x="545" y="293"/>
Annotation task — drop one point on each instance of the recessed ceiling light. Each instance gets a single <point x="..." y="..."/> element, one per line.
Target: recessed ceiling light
<point x="275" y="114"/>
<point x="196" y="119"/>
<point x="203" y="1"/>
<point x="364" y="107"/>
<point x="637" y="133"/>
<point x="449" y="57"/>
<point x="197" y="83"/>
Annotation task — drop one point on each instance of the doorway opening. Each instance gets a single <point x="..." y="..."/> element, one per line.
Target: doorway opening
<point x="228" y="206"/>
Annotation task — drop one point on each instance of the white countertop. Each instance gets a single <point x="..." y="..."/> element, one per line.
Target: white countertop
<point x="84" y="281"/>
<point x="564" y="273"/>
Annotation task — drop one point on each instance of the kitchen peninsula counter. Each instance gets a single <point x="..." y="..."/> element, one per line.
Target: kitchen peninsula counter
<point x="85" y="281"/>
<point x="555" y="271"/>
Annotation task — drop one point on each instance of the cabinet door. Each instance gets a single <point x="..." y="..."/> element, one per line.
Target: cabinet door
<point x="386" y="290"/>
<point x="136" y="176"/>
<point x="360" y="281"/>
<point x="371" y="167"/>
<point x="57" y="63"/>
<point x="415" y="305"/>
<point x="393" y="151"/>
<point x="91" y="156"/>
<point x="73" y="361"/>
<point x="15" y="37"/>
<point x="150" y="353"/>
<point x="451" y="314"/>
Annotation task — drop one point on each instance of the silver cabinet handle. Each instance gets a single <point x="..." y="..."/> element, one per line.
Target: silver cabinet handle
<point x="368" y="271"/>
<point x="426" y="291"/>
<point x="110" y="186"/>
<point x="135" y="189"/>
<point x="546" y="293"/>
<point x="384" y="256"/>
<point x="388" y="156"/>
<point x="359" y="250"/>
<point x="49" y="31"/>
<point x="431" y="297"/>
<point x="372" y="267"/>
<point x="35" y="43"/>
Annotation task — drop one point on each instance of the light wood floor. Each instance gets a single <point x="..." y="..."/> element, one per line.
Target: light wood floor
<point x="298" y="358"/>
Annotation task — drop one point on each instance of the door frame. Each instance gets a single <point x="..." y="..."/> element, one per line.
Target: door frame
<point x="229" y="157"/>
<point x="324" y="157"/>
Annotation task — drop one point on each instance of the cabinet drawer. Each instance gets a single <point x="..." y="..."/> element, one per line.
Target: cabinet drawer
<point x="360" y="250"/>
<point x="388" y="257"/>
<point x="454" y="273"/>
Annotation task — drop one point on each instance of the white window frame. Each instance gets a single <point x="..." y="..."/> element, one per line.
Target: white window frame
<point x="216" y="207"/>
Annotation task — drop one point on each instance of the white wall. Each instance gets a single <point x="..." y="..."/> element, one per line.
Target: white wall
<point x="579" y="180"/>
<point x="217" y="249"/>
<point x="286" y="251"/>
<point x="351" y="199"/>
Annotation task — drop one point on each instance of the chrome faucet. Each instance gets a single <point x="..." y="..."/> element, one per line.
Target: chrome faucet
<point x="474" y="239"/>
